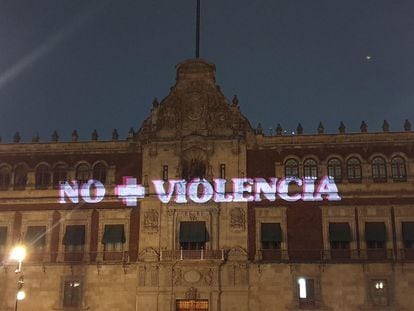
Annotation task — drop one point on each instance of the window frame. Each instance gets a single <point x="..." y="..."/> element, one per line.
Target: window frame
<point x="354" y="170"/>
<point x="5" y="171"/>
<point x="379" y="170"/>
<point x="100" y="172"/>
<point x="290" y="167"/>
<point x="42" y="176"/>
<point x="72" y="279"/>
<point x="398" y="170"/>
<point x="330" y="166"/>
<point x="310" y="165"/>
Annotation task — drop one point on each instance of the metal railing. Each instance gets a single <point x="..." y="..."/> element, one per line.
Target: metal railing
<point x="336" y="255"/>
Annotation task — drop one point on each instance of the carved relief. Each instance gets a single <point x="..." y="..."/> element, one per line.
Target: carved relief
<point x="237" y="219"/>
<point x="177" y="276"/>
<point x="151" y="221"/>
<point x="149" y="254"/>
<point x="209" y="277"/>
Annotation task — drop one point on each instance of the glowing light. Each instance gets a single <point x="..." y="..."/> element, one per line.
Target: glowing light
<point x="302" y="288"/>
<point x="20" y="295"/>
<point x="202" y="191"/>
<point x="18" y="253"/>
<point x="379" y="285"/>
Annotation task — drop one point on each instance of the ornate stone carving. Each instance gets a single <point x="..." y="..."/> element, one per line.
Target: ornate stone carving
<point x="192" y="276"/>
<point x="177" y="276"/>
<point x="237" y="254"/>
<point x="237" y="219"/>
<point x="149" y="254"/>
<point x="209" y="277"/>
<point x="151" y="221"/>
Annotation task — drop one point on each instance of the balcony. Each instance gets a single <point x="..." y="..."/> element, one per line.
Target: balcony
<point x="335" y="256"/>
<point x="199" y="254"/>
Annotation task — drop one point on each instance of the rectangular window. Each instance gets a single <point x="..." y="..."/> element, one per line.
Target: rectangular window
<point x="72" y="293"/>
<point x="113" y="240"/>
<point x="379" y="292"/>
<point x="376" y="238"/>
<point x="165" y="172"/>
<point x="35" y="239"/>
<point x="340" y="239"/>
<point x="271" y="237"/>
<point x="306" y="292"/>
<point x="74" y="241"/>
<point x="193" y="235"/>
<point x="3" y="240"/>
<point x="408" y="239"/>
<point x="223" y="171"/>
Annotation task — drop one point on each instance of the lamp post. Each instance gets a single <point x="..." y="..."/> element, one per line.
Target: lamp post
<point x="18" y="254"/>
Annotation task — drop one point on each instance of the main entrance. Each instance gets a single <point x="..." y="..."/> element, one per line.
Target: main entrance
<point x="191" y="305"/>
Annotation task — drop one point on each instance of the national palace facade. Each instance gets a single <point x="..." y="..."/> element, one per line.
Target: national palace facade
<point x="107" y="228"/>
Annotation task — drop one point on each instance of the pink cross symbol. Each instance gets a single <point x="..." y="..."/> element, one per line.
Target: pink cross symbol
<point x="130" y="191"/>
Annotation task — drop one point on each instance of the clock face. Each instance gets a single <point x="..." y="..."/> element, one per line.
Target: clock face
<point x="194" y="105"/>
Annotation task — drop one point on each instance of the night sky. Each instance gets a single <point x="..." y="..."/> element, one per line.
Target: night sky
<point x="85" y="65"/>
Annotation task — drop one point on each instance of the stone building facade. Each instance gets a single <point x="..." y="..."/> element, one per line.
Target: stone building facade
<point x="352" y="254"/>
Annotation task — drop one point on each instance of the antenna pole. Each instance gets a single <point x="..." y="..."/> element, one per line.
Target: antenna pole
<point x="198" y="30"/>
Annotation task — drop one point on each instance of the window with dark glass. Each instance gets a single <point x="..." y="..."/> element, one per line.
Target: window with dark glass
<point x="99" y="172"/>
<point x="379" y="170"/>
<point x="72" y="293"/>
<point x="291" y="168"/>
<point x="375" y="235"/>
<point x="42" y="176"/>
<point x="113" y="238"/>
<point x="4" y="178"/>
<point x="165" y="172"/>
<point x="354" y="170"/>
<point x="3" y="239"/>
<point x="335" y="170"/>
<point x="82" y="173"/>
<point x="60" y="175"/>
<point x="271" y="235"/>
<point x="223" y="171"/>
<point x="408" y="234"/>
<point x="339" y="235"/>
<point x="20" y="177"/>
<point x="310" y="169"/>
<point x="35" y="238"/>
<point x="74" y="238"/>
<point x="398" y="169"/>
<point x="193" y="235"/>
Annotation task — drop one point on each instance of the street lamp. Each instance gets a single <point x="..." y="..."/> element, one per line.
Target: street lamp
<point x="18" y="254"/>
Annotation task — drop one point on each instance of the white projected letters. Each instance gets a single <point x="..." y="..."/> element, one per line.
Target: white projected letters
<point x="202" y="191"/>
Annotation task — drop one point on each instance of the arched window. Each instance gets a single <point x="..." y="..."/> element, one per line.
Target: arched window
<point x="354" y="170"/>
<point x="4" y="178"/>
<point x="310" y="169"/>
<point x="379" y="170"/>
<point x="82" y="173"/>
<point x="42" y="177"/>
<point x="291" y="168"/>
<point x="60" y="175"/>
<point x="99" y="172"/>
<point x="20" y="177"/>
<point x="398" y="169"/>
<point x="335" y="170"/>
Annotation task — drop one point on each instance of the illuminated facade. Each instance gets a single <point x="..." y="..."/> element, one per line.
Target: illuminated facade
<point x="223" y="253"/>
